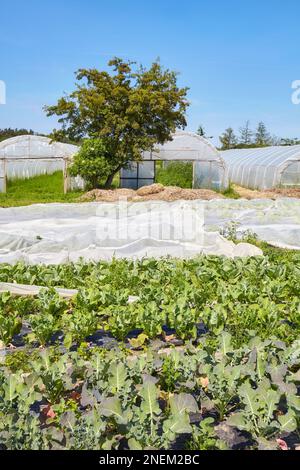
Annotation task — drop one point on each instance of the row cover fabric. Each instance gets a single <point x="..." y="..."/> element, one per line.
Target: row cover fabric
<point x="264" y="168"/>
<point x="59" y="233"/>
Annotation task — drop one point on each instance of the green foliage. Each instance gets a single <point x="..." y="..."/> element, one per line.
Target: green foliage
<point x="43" y="327"/>
<point x="228" y="139"/>
<point x="132" y="109"/>
<point x="262" y="137"/>
<point x="10" y="325"/>
<point x="204" y="437"/>
<point x="176" y="174"/>
<point x="112" y="398"/>
<point x="8" y="133"/>
<point x="242" y="369"/>
<point x="94" y="162"/>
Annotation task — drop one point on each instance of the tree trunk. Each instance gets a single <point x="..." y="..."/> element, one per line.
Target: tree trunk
<point x="109" y="180"/>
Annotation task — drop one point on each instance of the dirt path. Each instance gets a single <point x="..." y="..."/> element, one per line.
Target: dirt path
<point x="151" y="193"/>
<point x="268" y="194"/>
<point x="157" y="192"/>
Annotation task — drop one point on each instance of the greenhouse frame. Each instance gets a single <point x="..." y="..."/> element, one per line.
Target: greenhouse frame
<point x="30" y="155"/>
<point x="264" y="168"/>
<point x="209" y="168"/>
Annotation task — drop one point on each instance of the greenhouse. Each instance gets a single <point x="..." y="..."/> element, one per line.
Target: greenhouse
<point x="264" y="168"/>
<point x="209" y="167"/>
<point x="30" y="155"/>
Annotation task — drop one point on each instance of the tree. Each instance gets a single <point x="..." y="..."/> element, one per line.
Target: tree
<point x="93" y="162"/>
<point x="201" y="131"/>
<point x="131" y="109"/>
<point x="288" y="141"/>
<point x="8" y="133"/>
<point x="228" y="139"/>
<point x="262" y="137"/>
<point x="246" y="135"/>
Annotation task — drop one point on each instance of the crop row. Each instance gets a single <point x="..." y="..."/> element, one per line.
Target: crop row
<point x="97" y="399"/>
<point x="94" y="309"/>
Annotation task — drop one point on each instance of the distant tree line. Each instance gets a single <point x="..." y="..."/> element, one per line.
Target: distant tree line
<point x="8" y="133"/>
<point x="247" y="138"/>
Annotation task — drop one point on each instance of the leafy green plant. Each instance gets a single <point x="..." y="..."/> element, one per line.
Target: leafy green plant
<point x="204" y="437"/>
<point x="10" y="325"/>
<point x="43" y="327"/>
<point x="258" y="416"/>
<point x="78" y="326"/>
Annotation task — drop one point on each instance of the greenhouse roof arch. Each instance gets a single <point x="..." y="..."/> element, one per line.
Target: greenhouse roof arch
<point x="264" y="168"/>
<point x="186" y="146"/>
<point x="34" y="147"/>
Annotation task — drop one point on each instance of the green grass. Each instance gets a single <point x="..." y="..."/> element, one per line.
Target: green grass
<point x="230" y="192"/>
<point x="175" y="174"/>
<point x="39" y="189"/>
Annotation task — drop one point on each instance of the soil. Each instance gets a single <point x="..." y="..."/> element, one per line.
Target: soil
<point x="267" y="194"/>
<point x="167" y="193"/>
<point x="157" y="192"/>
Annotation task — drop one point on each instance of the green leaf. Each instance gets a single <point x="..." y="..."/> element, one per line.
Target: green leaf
<point x="249" y="398"/>
<point x="288" y="421"/>
<point x="182" y="403"/>
<point x="272" y="399"/>
<point x="238" y="420"/>
<point x="294" y="402"/>
<point x="178" y="424"/>
<point x="225" y="343"/>
<point x="112" y="407"/>
<point x="117" y="377"/>
<point x="68" y="340"/>
<point x="149" y="405"/>
<point x="133" y="444"/>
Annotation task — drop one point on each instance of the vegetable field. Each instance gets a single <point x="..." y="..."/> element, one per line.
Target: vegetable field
<point x="155" y="354"/>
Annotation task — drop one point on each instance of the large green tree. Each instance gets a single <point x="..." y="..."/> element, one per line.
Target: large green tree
<point x="131" y="109"/>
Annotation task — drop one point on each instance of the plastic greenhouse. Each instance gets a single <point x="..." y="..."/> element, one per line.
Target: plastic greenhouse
<point x="209" y="167"/>
<point x="30" y="155"/>
<point x="264" y="168"/>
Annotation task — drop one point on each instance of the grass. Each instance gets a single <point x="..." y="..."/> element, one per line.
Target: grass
<point x="230" y="192"/>
<point x="175" y="174"/>
<point x="39" y="189"/>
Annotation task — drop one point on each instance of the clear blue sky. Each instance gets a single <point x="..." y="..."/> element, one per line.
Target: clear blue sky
<point x="238" y="58"/>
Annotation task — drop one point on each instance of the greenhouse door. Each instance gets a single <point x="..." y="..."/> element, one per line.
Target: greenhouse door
<point x="290" y="177"/>
<point x="138" y="175"/>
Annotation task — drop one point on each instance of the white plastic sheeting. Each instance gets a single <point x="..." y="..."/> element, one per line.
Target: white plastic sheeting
<point x="184" y="146"/>
<point x="29" y="155"/>
<point x="264" y="168"/>
<point x="210" y="170"/>
<point x="58" y="233"/>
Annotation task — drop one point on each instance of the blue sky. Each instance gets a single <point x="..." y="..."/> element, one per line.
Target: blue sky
<point x="238" y="58"/>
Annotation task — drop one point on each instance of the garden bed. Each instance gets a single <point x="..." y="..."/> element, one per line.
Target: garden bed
<point x="207" y="356"/>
